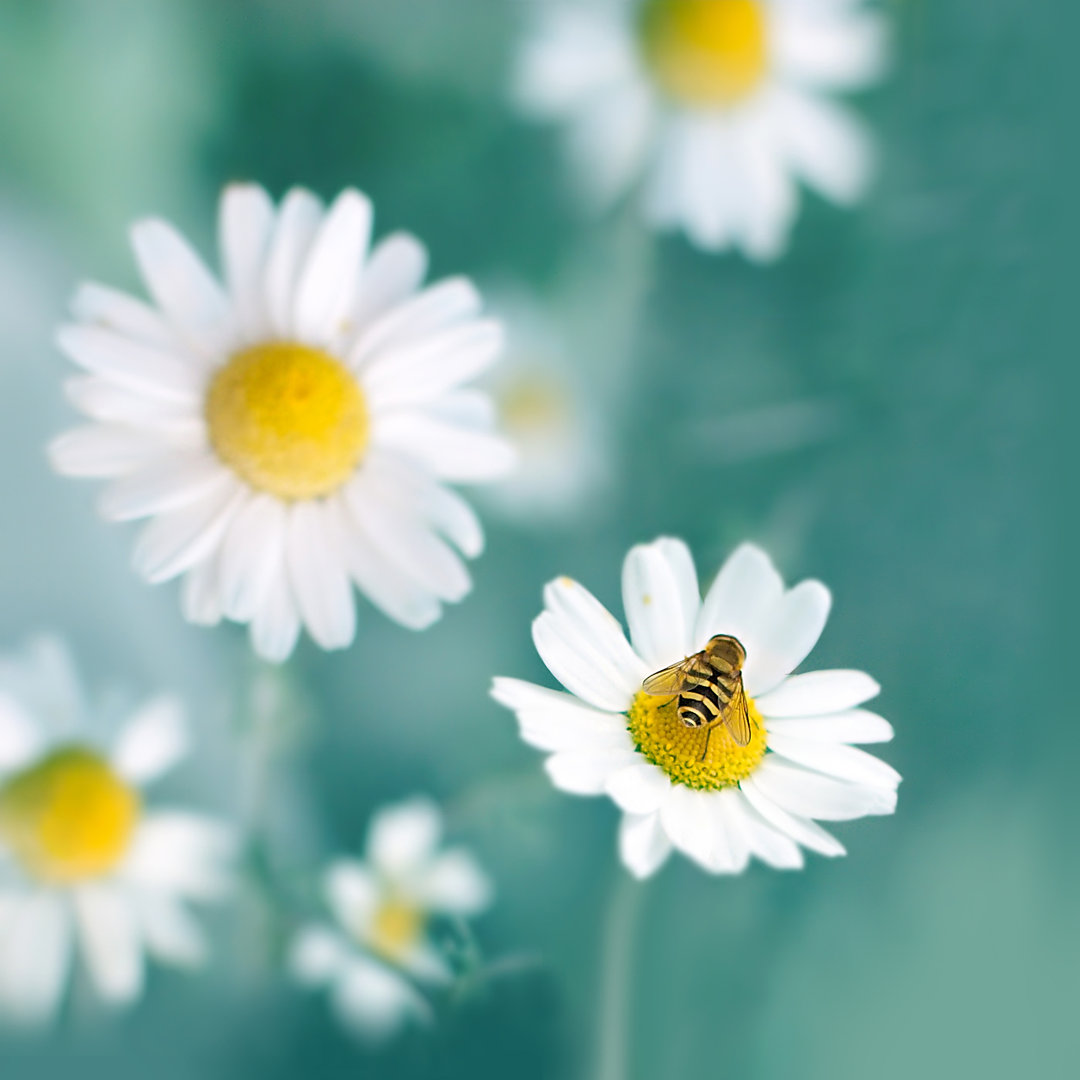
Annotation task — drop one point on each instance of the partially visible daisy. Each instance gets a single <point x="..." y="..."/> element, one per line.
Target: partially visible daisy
<point x="691" y="788"/>
<point x="288" y="434"/>
<point x="83" y="859"/>
<point x="380" y="946"/>
<point x="542" y="410"/>
<point x="721" y="106"/>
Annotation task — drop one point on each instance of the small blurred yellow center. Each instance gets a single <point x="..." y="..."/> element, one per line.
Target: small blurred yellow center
<point x="533" y="406"/>
<point x="666" y="741"/>
<point x="705" y="52"/>
<point x="68" y="818"/>
<point x="396" y="929"/>
<point x="289" y="419"/>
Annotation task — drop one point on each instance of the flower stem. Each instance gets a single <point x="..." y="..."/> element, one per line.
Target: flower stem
<point x="616" y="978"/>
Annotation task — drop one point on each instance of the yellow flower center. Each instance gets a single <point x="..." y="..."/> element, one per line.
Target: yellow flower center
<point x="396" y="929"/>
<point x="705" y="52"/>
<point x="289" y="419"/>
<point x="703" y="758"/>
<point x="68" y="818"/>
<point x="533" y="406"/>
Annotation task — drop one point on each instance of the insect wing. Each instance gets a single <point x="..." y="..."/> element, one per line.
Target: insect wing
<point x="737" y="716"/>
<point x="669" y="681"/>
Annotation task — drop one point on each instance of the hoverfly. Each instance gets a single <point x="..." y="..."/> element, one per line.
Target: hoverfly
<point x="710" y="689"/>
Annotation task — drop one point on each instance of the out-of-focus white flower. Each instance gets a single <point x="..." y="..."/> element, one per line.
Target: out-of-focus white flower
<point x="288" y="434"/>
<point x="722" y="105"/>
<point x="382" y="906"/>
<point x="82" y="858"/>
<point x="696" y="788"/>
<point x="543" y="410"/>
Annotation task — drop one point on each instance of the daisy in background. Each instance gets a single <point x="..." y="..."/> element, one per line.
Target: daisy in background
<point x="698" y="789"/>
<point x="380" y="946"/>
<point x="718" y="106"/>
<point x="288" y="434"/>
<point x="84" y="862"/>
<point x="542" y="412"/>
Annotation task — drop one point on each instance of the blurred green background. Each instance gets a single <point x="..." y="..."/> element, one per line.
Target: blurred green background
<point x="867" y="409"/>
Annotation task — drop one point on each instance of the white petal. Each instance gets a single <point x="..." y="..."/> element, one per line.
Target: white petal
<point x="762" y="839"/>
<point x="640" y="788"/>
<point x="184" y="853"/>
<point x="152" y="741"/>
<point x="178" y="424"/>
<point x="688" y="819"/>
<point x="818" y="693"/>
<point x="326" y="287"/>
<point x="789" y="631"/>
<point x="588" y="772"/>
<point x="661" y="600"/>
<point x="245" y="226"/>
<point x="770" y="197"/>
<point x="252" y="556"/>
<point x="170" y="932"/>
<point x="20" y="737"/>
<point x="317" y="956"/>
<point x="182" y="287"/>
<point x="745" y="590"/>
<point x="731" y="844"/>
<point x="438" y="307"/>
<point x="643" y="844"/>
<point x="114" y="310"/>
<point x="144" y="369"/>
<point x="297" y="223"/>
<point x="843" y="762"/>
<point x="352" y="895"/>
<point x="200" y="594"/>
<point x="402" y="838"/>
<point x="179" y="539"/>
<point x="552" y="720"/>
<point x="467" y="408"/>
<point x="99" y="450"/>
<point x="448" y="451"/>
<point x="803" y="830"/>
<point x="853" y="726"/>
<point x="275" y="624"/>
<point x="317" y="571"/>
<point x="810" y="794"/>
<point x="169" y="483"/>
<point x="394" y="272"/>
<point x="423" y="371"/>
<point x="826" y="145"/>
<point x="375" y="1002"/>
<point x="455" y="884"/>
<point x="110" y="940"/>
<point x="35" y="956"/>
<point x="835" y="50"/>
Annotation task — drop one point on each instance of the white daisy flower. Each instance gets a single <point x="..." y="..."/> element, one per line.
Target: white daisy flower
<point x="693" y="788"/>
<point x="288" y="434"/>
<point x="83" y="859"/>
<point x="720" y="105"/>
<point x="383" y="906"/>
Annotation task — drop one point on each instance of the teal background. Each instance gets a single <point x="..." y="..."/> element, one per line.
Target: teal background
<point x="872" y="409"/>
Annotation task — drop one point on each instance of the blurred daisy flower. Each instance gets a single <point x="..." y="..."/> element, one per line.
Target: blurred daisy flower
<point x="288" y="434"/>
<point x="380" y="947"/>
<point x="542" y="411"/>
<point x="696" y="788"/>
<point x="83" y="859"/>
<point x="722" y="105"/>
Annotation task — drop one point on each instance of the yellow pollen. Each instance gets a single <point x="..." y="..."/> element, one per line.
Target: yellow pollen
<point x="68" y="818"/>
<point x="705" y="52"/>
<point x="396" y="929"/>
<point x="666" y="741"/>
<point x="289" y="419"/>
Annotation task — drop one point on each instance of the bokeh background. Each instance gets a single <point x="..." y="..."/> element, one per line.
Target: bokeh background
<point x="868" y="409"/>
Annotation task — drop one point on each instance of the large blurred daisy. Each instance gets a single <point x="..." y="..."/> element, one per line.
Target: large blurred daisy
<point x="380" y="947"/>
<point x="288" y="434"/>
<point x="689" y="788"/>
<point x="83" y="860"/>
<point x="722" y="105"/>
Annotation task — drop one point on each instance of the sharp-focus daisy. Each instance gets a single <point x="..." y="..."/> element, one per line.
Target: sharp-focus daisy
<point x="83" y="859"/>
<point x="694" y="788"/>
<point x="722" y="105"/>
<point x="383" y="907"/>
<point x="287" y="434"/>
